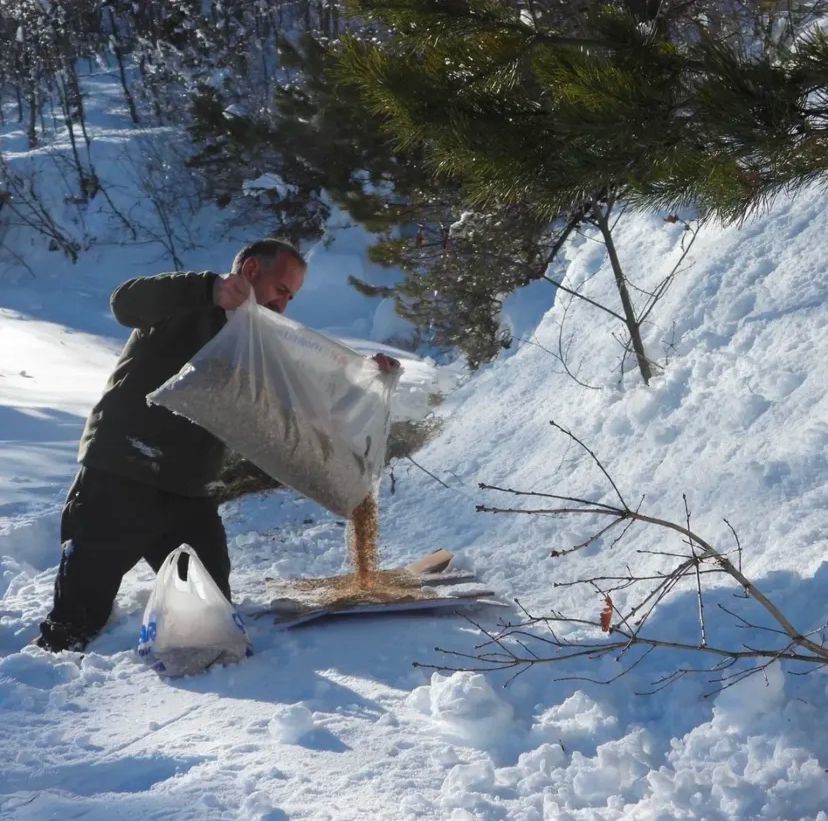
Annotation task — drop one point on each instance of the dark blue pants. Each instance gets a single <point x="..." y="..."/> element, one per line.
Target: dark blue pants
<point x="109" y="524"/>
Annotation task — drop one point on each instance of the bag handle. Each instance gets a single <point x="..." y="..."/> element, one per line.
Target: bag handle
<point x="198" y="580"/>
<point x="169" y="570"/>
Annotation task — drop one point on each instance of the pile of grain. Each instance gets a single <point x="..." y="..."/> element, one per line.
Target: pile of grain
<point x="343" y="591"/>
<point x="250" y="419"/>
<point x="366" y="584"/>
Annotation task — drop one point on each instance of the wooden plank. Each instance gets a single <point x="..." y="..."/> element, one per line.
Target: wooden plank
<point x="444" y="579"/>
<point x="289" y="606"/>
<point x="435" y="562"/>
<point x="447" y="578"/>
<point x="391" y="608"/>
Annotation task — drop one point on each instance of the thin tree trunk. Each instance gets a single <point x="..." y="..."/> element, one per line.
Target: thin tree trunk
<point x="66" y="105"/>
<point x="31" y="131"/>
<point x="133" y="112"/>
<point x="19" y="102"/>
<point x="261" y="40"/>
<point x="633" y="327"/>
<point x="77" y="100"/>
<point x="119" y="57"/>
<point x="42" y="117"/>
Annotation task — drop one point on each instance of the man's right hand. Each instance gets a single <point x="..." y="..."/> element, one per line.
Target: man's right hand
<point x="230" y="292"/>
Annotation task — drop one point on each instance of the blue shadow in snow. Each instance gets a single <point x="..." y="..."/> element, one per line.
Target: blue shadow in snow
<point x="42" y="425"/>
<point x="124" y="775"/>
<point x="322" y="740"/>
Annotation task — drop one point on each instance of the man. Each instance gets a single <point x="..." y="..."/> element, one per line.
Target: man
<point x="142" y="487"/>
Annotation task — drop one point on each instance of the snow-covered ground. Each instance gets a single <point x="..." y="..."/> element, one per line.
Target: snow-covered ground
<point x="332" y="721"/>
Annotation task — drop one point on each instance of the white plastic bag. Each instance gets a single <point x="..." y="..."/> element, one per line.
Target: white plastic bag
<point x="309" y="411"/>
<point x="188" y="623"/>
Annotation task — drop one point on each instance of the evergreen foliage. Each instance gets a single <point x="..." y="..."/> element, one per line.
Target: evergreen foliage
<point x="458" y="273"/>
<point x="564" y="113"/>
<point x="523" y="112"/>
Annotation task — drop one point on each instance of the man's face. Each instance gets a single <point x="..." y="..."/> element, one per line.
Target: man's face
<point x="275" y="281"/>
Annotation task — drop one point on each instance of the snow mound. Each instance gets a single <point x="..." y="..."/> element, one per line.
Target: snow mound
<point x="578" y="721"/>
<point x="290" y="722"/>
<point x="464" y="705"/>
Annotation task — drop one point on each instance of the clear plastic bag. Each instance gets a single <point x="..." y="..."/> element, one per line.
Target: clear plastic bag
<point x="309" y="411"/>
<point x="188" y="623"/>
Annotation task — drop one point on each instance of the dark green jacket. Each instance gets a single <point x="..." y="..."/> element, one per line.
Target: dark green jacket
<point x="173" y="316"/>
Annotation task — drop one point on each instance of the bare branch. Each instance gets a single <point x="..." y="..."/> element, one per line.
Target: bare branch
<point x="696" y="568"/>
<point x="592" y="302"/>
<point x="594" y="459"/>
<point x="484" y="486"/>
<point x="427" y="472"/>
<point x="738" y="543"/>
<point x="518" y="645"/>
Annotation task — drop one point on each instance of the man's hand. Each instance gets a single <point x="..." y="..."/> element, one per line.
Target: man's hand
<point x="230" y="292"/>
<point x="387" y="364"/>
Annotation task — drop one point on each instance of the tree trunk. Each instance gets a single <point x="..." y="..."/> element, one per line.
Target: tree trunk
<point x="31" y="131"/>
<point x="620" y="281"/>
<point x="76" y="99"/>
<point x="119" y="56"/>
<point x="261" y="39"/>
<point x="19" y="102"/>
<point x="66" y="105"/>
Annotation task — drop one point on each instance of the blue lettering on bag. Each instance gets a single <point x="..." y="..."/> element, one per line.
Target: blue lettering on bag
<point x="149" y="632"/>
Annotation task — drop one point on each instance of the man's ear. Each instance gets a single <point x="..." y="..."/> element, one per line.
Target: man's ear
<point x="250" y="269"/>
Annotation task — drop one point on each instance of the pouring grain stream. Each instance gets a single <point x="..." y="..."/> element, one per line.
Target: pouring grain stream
<point x="363" y="535"/>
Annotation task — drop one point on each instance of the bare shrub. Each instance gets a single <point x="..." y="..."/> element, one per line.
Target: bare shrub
<point x="623" y="627"/>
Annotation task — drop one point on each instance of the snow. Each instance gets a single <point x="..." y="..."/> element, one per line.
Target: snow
<point x="332" y="721"/>
<point x="464" y="706"/>
<point x="268" y="182"/>
<point x="290" y="723"/>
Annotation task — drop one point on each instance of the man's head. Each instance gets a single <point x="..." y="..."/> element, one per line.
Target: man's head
<point x="274" y="268"/>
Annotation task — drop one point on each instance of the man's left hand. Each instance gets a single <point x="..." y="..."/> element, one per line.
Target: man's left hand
<point x="387" y="364"/>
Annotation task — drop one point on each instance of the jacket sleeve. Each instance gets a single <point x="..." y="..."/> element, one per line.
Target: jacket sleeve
<point x="145" y="301"/>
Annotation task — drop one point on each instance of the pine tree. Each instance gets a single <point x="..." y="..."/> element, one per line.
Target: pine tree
<point x="453" y="284"/>
<point x="521" y="112"/>
<point x="459" y="267"/>
<point x="570" y="116"/>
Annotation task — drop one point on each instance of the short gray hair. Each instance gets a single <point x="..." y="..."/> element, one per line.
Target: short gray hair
<point x="269" y="248"/>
